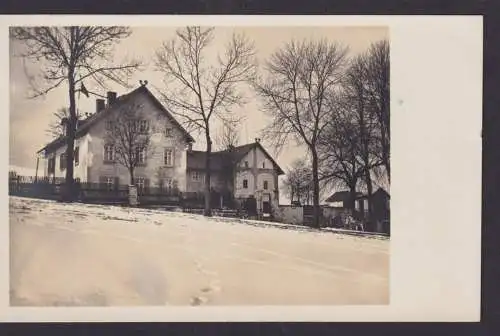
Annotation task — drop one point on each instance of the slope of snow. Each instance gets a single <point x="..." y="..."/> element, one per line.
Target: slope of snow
<point x="92" y="255"/>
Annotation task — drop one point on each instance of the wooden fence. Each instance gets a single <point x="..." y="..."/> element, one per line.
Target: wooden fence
<point x="98" y="193"/>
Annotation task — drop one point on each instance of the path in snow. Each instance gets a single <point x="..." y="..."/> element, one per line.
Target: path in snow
<point x="91" y="255"/>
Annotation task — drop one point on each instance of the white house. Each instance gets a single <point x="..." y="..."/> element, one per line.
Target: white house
<point x="94" y="158"/>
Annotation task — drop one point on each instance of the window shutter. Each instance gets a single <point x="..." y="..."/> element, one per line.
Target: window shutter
<point x="146" y="185"/>
<point x="117" y="182"/>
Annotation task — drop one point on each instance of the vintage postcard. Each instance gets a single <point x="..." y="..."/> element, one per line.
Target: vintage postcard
<point x="242" y="168"/>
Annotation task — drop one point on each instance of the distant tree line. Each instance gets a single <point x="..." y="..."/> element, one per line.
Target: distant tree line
<point x="338" y="107"/>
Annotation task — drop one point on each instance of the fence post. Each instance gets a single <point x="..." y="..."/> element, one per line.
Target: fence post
<point x="132" y="195"/>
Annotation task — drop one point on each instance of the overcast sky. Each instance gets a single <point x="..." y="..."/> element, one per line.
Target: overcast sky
<point x="29" y="118"/>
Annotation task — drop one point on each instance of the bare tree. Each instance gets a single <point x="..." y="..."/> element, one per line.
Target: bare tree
<point x="338" y="149"/>
<point x="300" y="75"/>
<point x="298" y="182"/>
<point x="200" y="89"/>
<point x="378" y="89"/>
<point x="71" y="55"/>
<point x="357" y="106"/>
<point x="128" y="138"/>
<point x="228" y="136"/>
<point x="57" y="126"/>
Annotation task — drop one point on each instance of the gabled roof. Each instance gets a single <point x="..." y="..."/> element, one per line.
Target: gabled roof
<point x="341" y="196"/>
<point x="220" y="159"/>
<point x="196" y="160"/>
<point x="86" y="124"/>
<point x="383" y="192"/>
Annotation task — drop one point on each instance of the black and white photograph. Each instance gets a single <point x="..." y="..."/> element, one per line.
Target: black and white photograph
<point x="244" y="168"/>
<point x="199" y="165"/>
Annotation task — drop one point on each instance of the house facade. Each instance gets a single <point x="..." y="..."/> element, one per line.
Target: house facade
<point x="243" y="172"/>
<point x="163" y="164"/>
<point x="340" y="199"/>
<point x="246" y="171"/>
<point x="380" y="202"/>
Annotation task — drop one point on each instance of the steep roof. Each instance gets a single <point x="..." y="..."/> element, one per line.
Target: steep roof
<point x="219" y="159"/>
<point x="341" y="196"/>
<point x="383" y="193"/>
<point x="86" y="124"/>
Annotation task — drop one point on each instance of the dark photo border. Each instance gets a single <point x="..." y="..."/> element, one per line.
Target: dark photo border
<point x="490" y="311"/>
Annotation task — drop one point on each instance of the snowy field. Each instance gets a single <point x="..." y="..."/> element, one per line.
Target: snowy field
<point x="90" y="255"/>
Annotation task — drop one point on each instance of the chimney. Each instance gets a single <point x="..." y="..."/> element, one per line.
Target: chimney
<point x="111" y="98"/>
<point x="99" y="105"/>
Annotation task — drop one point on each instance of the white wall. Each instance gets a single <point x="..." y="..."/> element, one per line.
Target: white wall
<point x="239" y="190"/>
<point x="155" y="168"/>
<point x="262" y="159"/>
<point x="248" y="158"/>
<point x="261" y="177"/>
<point x="79" y="171"/>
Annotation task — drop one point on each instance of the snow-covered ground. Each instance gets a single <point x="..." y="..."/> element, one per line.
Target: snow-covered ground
<point x="90" y="255"/>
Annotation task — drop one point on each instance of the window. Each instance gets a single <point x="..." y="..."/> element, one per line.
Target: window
<point x="77" y="156"/>
<point x="168" y="157"/>
<point x="108" y="125"/>
<point x="109" y="153"/>
<point x="263" y="164"/>
<point x="109" y="183"/>
<point x="196" y="176"/>
<point x="265" y="185"/>
<point x="245" y="184"/>
<point x="62" y="161"/>
<point x="51" y="165"/>
<point x="166" y="184"/>
<point x="246" y="164"/>
<point x="140" y="183"/>
<point x="141" y="155"/>
<point x="168" y="132"/>
<point x="143" y="126"/>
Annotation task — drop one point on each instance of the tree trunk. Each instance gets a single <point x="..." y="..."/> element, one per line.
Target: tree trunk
<point x="131" y="173"/>
<point x="68" y="194"/>
<point x="351" y="203"/>
<point x="208" y="209"/>
<point x="316" y="208"/>
<point x="365" y="139"/>
<point x="369" y="189"/>
<point x="36" y="171"/>
<point x="385" y="153"/>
